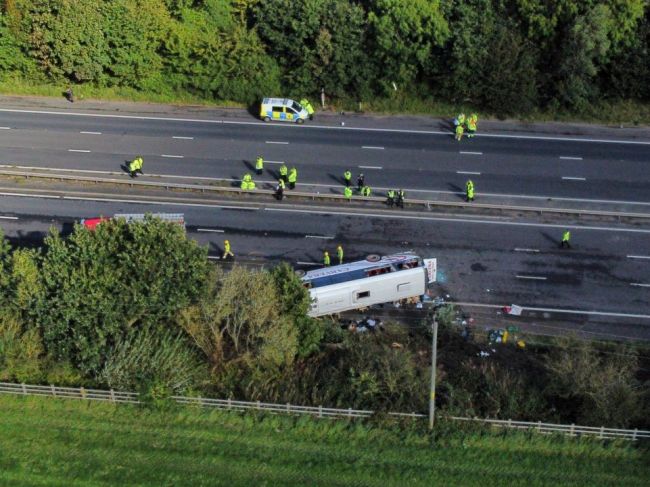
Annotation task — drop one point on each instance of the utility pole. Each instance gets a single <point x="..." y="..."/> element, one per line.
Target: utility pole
<point x="434" y="352"/>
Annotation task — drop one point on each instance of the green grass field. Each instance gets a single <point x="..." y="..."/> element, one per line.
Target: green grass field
<point x="46" y="441"/>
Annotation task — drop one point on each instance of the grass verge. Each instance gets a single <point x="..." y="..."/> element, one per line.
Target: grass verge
<point x="626" y="112"/>
<point x="46" y="441"/>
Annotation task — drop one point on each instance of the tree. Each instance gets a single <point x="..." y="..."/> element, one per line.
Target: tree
<point x="403" y="37"/>
<point x="586" y="46"/>
<point x="99" y="286"/>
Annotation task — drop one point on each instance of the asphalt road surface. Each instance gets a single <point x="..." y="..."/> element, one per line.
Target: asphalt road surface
<point x="486" y="261"/>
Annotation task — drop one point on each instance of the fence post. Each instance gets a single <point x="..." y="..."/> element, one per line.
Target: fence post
<point x="634" y="434"/>
<point x="53" y="389"/>
<point x="539" y="426"/>
<point x="602" y="432"/>
<point x="82" y="391"/>
<point x="229" y="403"/>
<point x="350" y="412"/>
<point x="510" y="423"/>
<point x="258" y="405"/>
<point x="288" y="408"/>
<point x="573" y="427"/>
<point x="24" y="388"/>
<point x="320" y="411"/>
<point x="112" y="395"/>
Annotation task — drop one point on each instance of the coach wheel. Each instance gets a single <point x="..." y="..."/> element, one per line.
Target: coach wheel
<point x="300" y="273"/>
<point x="373" y="258"/>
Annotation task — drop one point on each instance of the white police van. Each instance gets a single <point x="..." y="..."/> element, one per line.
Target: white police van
<point x="282" y="109"/>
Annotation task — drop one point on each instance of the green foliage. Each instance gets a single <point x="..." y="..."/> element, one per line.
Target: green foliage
<point x="600" y="389"/>
<point x="59" y="439"/>
<point x="21" y="349"/>
<point x="98" y="286"/>
<point x="148" y="358"/>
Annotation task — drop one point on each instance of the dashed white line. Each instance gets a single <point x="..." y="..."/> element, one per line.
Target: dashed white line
<point x="212" y="230"/>
<point x="471" y="153"/>
<point x="517" y="249"/>
<point x="87" y="132"/>
<point x="78" y="150"/>
<point x="638" y="284"/>
<point x="214" y="257"/>
<point x="373" y="147"/>
<point x="573" y="178"/>
<point x="308" y="263"/>
<point x="276" y="142"/>
<point x="638" y="257"/>
<point x="474" y="173"/>
<point x="182" y="138"/>
<point x="370" y="167"/>
<point x="537" y="278"/>
<point x="5" y="128"/>
<point x="275" y="162"/>
<point x="570" y="158"/>
<point x="319" y="236"/>
<point x="172" y="156"/>
<point x="8" y="217"/>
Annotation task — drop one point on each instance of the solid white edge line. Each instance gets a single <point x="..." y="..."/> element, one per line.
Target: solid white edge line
<point x="471" y="153"/>
<point x="209" y="230"/>
<point x="569" y="158"/>
<point x="559" y="310"/>
<point x="78" y="150"/>
<point x="370" y="167"/>
<point x="319" y="236"/>
<point x="181" y="137"/>
<point x="275" y="142"/>
<point x="375" y="147"/>
<point x="8" y="217"/>
<point x="325" y="127"/>
<point x="172" y="156"/>
<point x="639" y="284"/>
<point x="573" y="178"/>
<point x="90" y="133"/>
<point x="517" y="249"/>
<point x="537" y="278"/>
<point x="275" y="162"/>
<point x="638" y="257"/>
<point x="307" y="263"/>
<point x="469" y="172"/>
<point x="214" y="257"/>
<point x="462" y="220"/>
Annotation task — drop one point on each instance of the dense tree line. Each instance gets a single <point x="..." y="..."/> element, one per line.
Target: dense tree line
<point x="505" y="56"/>
<point x="137" y="306"/>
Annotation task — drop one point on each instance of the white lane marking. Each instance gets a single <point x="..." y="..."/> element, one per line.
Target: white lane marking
<point x="90" y="133"/>
<point x="472" y="153"/>
<point x="8" y="217"/>
<point x="370" y="167"/>
<point x="212" y="230"/>
<point x="308" y="263"/>
<point x="374" y="147"/>
<point x="560" y="310"/>
<point x="638" y="284"/>
<point x="276" y="142"/>
<point x="569" y="158"/>
<point x="408" y="190"/>
<point x="517" y="249"/>
<point x="537" y="278"/>
<point x="5" y="128"/>
<point x="319" y="236"/>
<point x="172" y="156"/>
<point x="399" y="216"/>
<point x="182" y="138"/>
<point x="638" y="257"/>
<point x="573" y="178"/>
<point x="214" y="257"/>
<point x="78" y="150"/>
<point x="275" y="162"/>
<point x="324" y="127"/>
<point x="469" y="172"/>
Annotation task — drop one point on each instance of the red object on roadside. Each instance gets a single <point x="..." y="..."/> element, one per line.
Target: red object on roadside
<point x="91" y="223"/>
